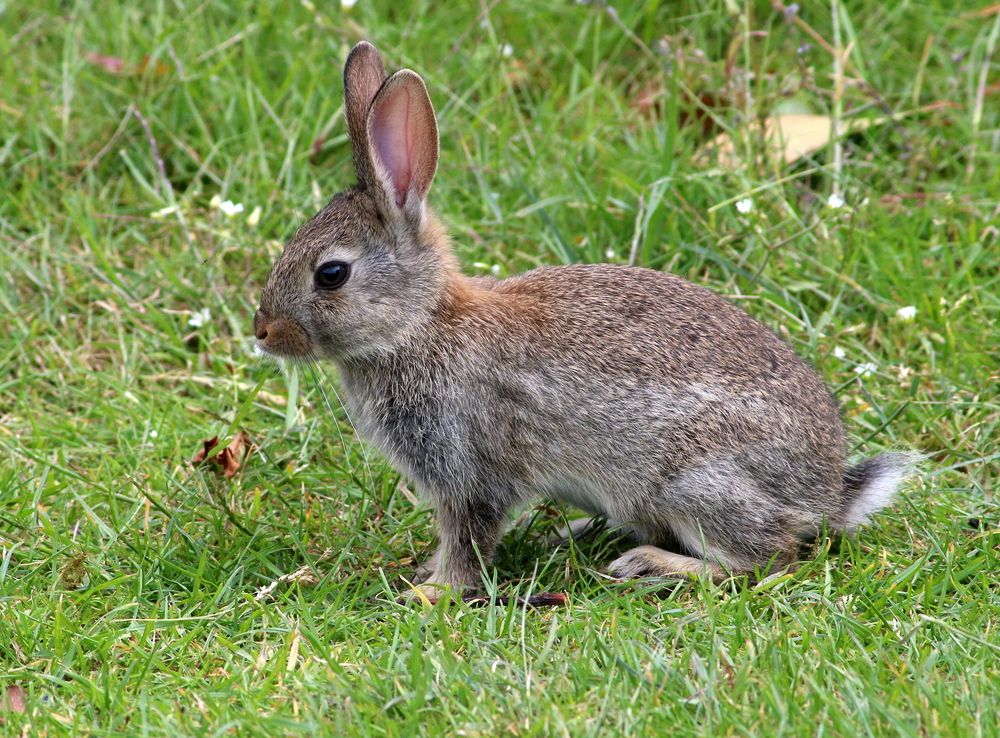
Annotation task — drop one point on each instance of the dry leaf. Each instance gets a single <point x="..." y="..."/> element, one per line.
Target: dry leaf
<point x="649" y="100"/>
<point x="14" y="699"/>
<point x="113" y="64"/>
<point x="303" y="575"/>
<point x="116" y="65"/>
<point x="74" y="572"/>
<point x="984" y="12"/>
<point x="159" y="68"/>
<point x="789" y="137"/>
<point x="316" y="149"/>
<point x="540" y="599"/>
<point x="229" y="459"/>
<point x="207" y="446"/>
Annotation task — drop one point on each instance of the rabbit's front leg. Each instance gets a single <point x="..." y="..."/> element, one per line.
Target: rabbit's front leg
<point x="470" y="529"/>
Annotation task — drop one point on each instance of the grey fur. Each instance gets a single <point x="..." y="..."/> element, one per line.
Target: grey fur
<point x="629" y="393"/>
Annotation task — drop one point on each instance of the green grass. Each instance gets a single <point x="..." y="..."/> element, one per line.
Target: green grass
<point x="128" y="578"/>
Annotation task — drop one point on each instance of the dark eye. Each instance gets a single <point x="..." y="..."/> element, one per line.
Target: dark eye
<point x="332" y="275"/>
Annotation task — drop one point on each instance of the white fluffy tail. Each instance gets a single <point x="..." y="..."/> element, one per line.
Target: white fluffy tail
<point x="871" y="485"/>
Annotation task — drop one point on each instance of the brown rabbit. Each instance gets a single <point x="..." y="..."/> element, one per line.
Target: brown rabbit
<point x="627" y="392"/>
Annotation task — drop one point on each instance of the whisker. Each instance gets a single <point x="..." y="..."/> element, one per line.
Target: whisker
<point x="316" y="373"/>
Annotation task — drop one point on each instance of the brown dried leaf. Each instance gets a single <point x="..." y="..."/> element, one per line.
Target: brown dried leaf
<point x="646" y="98"/>
<point x="74" y="572"/>
<point x="113" y="64"/>
<point x="540" y="599"/>
<point x="984" y="12"/>
<point x="14" y="700"/>
<point x="116" y="65"/>
<point x="229" y="460"/>
<point x="789" y="137"/>
<point x="159" y="68"/>
<point x="207" y="446"/>
<point x="316" y="149"/>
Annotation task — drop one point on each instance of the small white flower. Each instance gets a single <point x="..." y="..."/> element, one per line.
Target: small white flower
<point x="348" y="4"/>
<point x="745" y="205"/>
<point x="153" y="434"/>
<point x="907" y="313"/>
<point x="495" y="269"/>
<point x="610" y="254"/>
<point x="839" y="352"/>
<point x="506" y="50"/>
<point x="863" y="370"/>
<point x="254" y="218"/>
<point x="231" y="208"/>
<point x="215" y="202"/>
<point x="163" y="212"/>
<point x="198" y="319"/>
<point x="835" y="201"/>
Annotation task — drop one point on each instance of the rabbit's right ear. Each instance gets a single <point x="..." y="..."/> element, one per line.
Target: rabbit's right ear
<point x="403" y="136"/>
<point x="364" y="74"/>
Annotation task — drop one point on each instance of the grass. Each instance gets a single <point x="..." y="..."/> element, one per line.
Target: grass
<point x="128" y="578"/>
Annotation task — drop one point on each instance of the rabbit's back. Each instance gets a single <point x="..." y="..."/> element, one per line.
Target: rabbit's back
<point x="635" y="322"/>
<point x="640" y="372"/>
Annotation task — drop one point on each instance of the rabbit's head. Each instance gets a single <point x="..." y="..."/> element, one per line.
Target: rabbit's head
<point x="369" y="269"/>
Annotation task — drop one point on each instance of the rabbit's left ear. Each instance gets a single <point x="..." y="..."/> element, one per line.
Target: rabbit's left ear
<point x="403" y="141"/>
<point x="364" y="74"/>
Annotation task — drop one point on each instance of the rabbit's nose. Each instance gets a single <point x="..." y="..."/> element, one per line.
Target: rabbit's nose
<point x="260" y="325"/>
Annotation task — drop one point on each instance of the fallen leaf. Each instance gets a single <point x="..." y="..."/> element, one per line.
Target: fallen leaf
<point x="113" y="64"/>
<point x="13" y="699"/>
<point x="649" y="101"/>
<point x="116" y="65"/>
<point x="646" y="99"/>
<point x="541" y="599"/>
<point x="304" y="576"/>
<point x="229" y="459"/>
<point x="73" y="572"/>
<point x="789" y="137"/>
<point x="207" y="446"/>
<point x="316" y="149"/>
<point x="984" y="12"/>
<point x="157" y="69"/>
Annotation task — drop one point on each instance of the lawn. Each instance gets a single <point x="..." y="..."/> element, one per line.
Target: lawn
<point x="155" y="156"/>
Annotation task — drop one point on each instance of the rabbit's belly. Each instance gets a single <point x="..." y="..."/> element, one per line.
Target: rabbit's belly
<point x="575" y="489"/>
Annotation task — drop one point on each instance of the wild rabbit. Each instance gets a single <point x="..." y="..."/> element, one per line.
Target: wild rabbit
<point x="629" y="393"/>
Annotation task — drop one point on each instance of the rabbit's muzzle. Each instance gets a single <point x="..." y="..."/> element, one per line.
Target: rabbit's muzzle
<point x="281" y="336"/>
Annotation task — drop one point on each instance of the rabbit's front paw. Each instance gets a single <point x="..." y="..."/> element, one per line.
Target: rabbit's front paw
<point x="425" y="569"/>
<point x="427" y="593"/>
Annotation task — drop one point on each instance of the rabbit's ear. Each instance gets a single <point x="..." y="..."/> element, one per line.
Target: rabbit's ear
<point x="403" y="137"/>
<point x="364" y="74"/>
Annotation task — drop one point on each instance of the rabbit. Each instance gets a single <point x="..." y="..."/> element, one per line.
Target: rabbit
<point x="630" y="393"/>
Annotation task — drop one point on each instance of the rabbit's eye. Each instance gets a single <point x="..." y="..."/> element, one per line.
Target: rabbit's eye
<point x="332" y="275"/>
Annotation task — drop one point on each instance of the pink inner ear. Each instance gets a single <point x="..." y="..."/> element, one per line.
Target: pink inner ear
<point x="396" y="131"/>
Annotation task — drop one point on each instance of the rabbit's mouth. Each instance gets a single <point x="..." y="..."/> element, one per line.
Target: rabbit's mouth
<point x="281" y="336"/>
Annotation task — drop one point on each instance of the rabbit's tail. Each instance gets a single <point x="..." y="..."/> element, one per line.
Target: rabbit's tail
<point x="870" y="486"/>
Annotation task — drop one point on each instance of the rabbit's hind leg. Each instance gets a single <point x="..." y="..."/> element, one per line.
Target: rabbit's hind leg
<point x="650" y="561"/>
